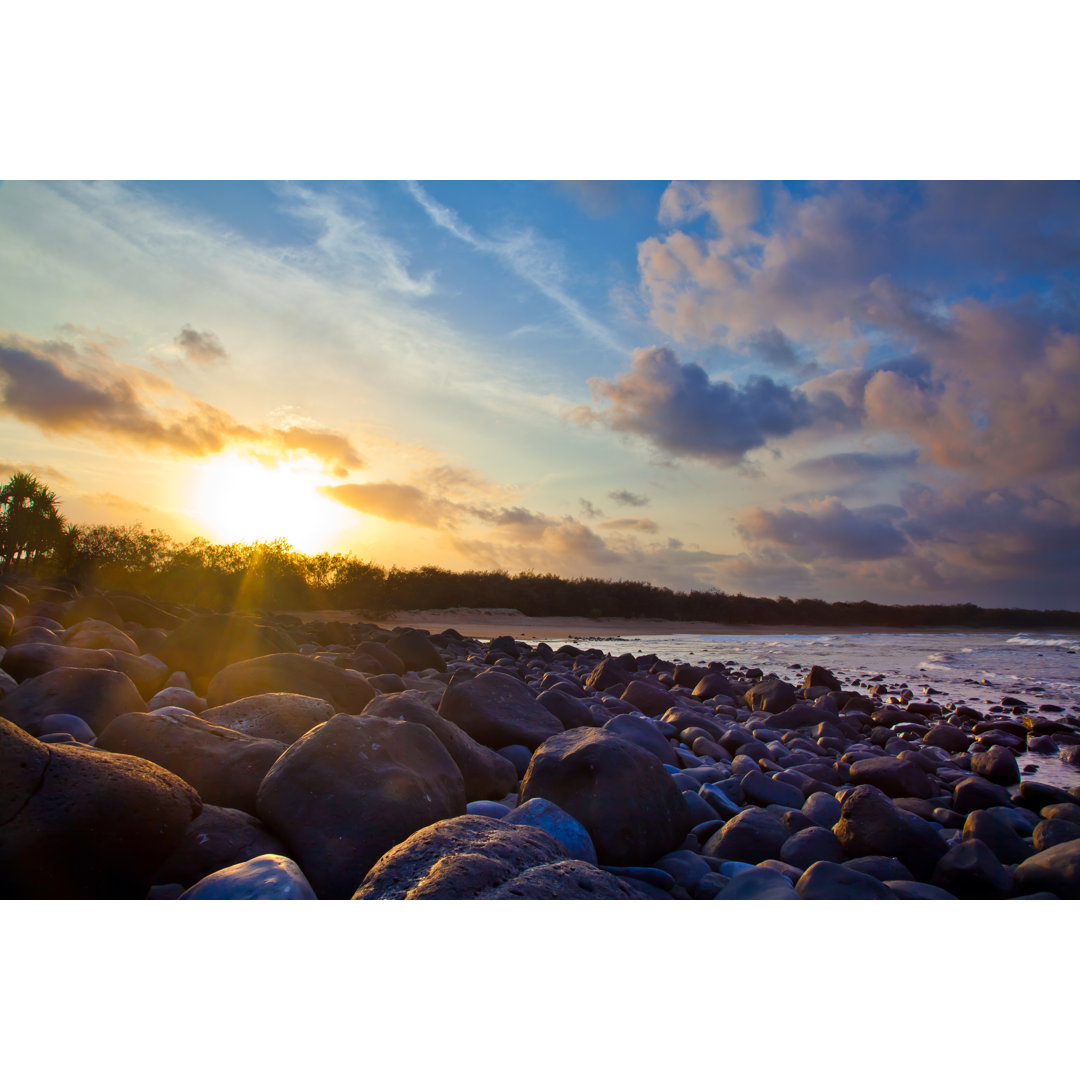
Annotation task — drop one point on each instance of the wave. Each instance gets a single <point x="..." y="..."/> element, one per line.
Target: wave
<point x="1045" y="642"/>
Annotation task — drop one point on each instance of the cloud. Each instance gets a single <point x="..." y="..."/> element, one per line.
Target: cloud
<point x="201" y="347"/>
<point x="588" y="510"/>
<point x="598" y="198"/>
<point x="734" y="205"/>
<point x="63" y="391"/>
<point x="628" y="498"/>
<point x="826" y="530"/>
<point x="42" y="472"/>
<point x="630" y="524"/>
<point x="676" y="407"/>
<point x="855" y="465"/>
<point x="396" y="502"/>
<point x="527" y="255"/>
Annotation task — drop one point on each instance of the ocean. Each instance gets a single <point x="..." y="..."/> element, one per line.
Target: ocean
<point x="976" y="669"/>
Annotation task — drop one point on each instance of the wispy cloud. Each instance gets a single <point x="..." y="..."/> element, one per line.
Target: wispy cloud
<point x="528" y="256"/>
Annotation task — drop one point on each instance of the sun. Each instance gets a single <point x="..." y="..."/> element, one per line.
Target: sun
<point x="242" y="500"/>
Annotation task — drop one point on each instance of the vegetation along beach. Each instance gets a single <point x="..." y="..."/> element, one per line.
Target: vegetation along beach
<point x="596" y="540"/>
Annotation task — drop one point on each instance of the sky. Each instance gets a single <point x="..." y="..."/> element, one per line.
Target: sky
<point x="850" y="391"/>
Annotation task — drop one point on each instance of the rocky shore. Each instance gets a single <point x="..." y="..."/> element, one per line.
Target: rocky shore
<point x="162" y="752"/>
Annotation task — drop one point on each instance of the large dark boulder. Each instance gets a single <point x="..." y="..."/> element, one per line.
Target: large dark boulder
<point x="833" y="881"/>
<point x="290" y="673"/>
<point x="416" y="652"/>
<point x="143" y="611"/>
<point x="458" y="859"/>
<point x="771" y="695"/>
<point x="497" y="710"/>
<point x="96" y="695"/>
<point x="761" y="883"/>
<point x="1056" y="870"/>
<point x="204" y="644"/>
<point x="978" y="793"/>
<point x="30" y="659"/>
<point x="871" y="825"/>
<point x="89" y="606"/>
<point x="352" y="788"/>
<point x="487" y="775"/>
<point x="820" y="676"/>
<point x="611" y="671"/>
<point x="643" y="733"/>
<point x="570" y="879"/>
<point x="762" y="790"/>
<point x="751" y="836"/>
<point x="998" y="765"/>
<point x="811" y="845"/>
<point x="1003" y="840"/>
<point x="282" y="717"/>
<point x="220" y="836"/>
<point x="622" y="794"/>
<point x="948" y="737"/>
<point x="898" y="779"/>
<point x="971" y="871"/>
<point x="223" y="766"/>
<point x="648" y="697"/>
<point x="571" y="711"/>
<point x="79" y="823"/>
<point x="712" y="684"/>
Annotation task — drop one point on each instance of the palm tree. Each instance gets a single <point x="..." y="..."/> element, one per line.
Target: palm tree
<point x="30" y="524"/>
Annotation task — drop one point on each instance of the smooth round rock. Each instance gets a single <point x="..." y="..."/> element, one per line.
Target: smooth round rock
<point x="758" y="883"/>
<point x="266" y="877"/>
<point x="833" y="881"/>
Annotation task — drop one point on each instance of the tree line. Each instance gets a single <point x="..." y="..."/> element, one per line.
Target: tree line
<point x="35" y="540"/>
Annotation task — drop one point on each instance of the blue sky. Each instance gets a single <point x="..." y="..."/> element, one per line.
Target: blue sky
<point x="849" y="391"/>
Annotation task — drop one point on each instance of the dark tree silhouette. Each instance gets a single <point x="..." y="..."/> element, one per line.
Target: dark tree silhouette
<point x="31" y="526"/>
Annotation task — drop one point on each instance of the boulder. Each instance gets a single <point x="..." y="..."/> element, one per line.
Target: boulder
<point x="771" y="695"/>
<point x="712" y="684"/>
<point x="611" y="671"/>
<point x="415" y="651"/>
<point x="350" y="789"/>
<point x="79" y="823"/>
<point x="971" y="871"/>
<point x="751" y="836"/>
<point x="1055" y="831"/>
<point x="812" y="845"/>
<point x="220" y="836"/>
<point x="290" y="673"/>
<point x="833" y="881"/>
<point x="898" y="779"/>
<point x="223" y="766"/>
<point x="458" y="859"/>
<point x="648" y="697"/>
<point x="871" y="825"/>
<point x="571" y="711"/>
<point x="763" y="791"/>
<point x="143" y="611"/>
<point x="96" y="634"/>
<point x="96" y="695"/>
<point x="1055" y="870"/>
<point x="180" y="697"/>
<point x="642" y="732"/>
<point x="545" y="815"/>
<point x="997" y="765"/>
<point x="948" y="737"/>
<point x="570" y="879"/>
<point x="266" y="877"/>
<point x="204" y="644"/>
<point x="279" y="716"/>
<point x="632" y="809"/>
<point x="89" y="606"/>
<point x="487" y="774"/>
<point x="977" y="793"/>
<point x="759" y="883"/>
<point x="62" y="723"/>
<point x="918" y="890"/>
<point x="498" y="710"/>
<point x="819" y="676"/>
<point x="1003" y="840"/>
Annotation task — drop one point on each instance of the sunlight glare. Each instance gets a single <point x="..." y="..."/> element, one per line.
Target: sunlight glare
<point x="241" y="500"/>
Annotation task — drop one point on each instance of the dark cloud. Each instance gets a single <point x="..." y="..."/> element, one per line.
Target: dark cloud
<point x="828" y="530"/>
<point x="676" y="407"/>
<point x="588" y="510"/>
<point x="201" y="346"/>
<point x="63" y="392"/>
<point x="855" y="465"/>
<point x="773" y="347"/>
<point x="628" y="498"/>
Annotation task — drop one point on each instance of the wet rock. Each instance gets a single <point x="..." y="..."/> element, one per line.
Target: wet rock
<point x="204" y="644"/>
<point x="811" y="845"/>
<point x="266" y="877"/>
<point x="997" y="765"/>
<point x="458" y="859"/>
<point x="771" y="695"/>
<point x="895" y="777"/>
<point x="282" y="717"/>
<point x="948" y="737"/>
<point x="97" y="695"/>
<point x="971" y="871"/>
<point x="833" y="881"/>
<point x="486" y="773"/>
<point x="1055" y="870"/>
<point x="978" y="793"/>
<point x="1000" y="837"/>
<point x="223" y="766"/>
<point x="497" y="710"/>
<point x="291" y="673"/>
<point x="870" y="825"/>
<point x="542" y="814"/>
<point x="1032" y="794"/>
<point x="758" y="883"/>
<point x="416" y="652"/>
<point x="1055" y="831"/>
<point x="752" y="836"/>
<point x="632" y="809"/>
<point x="80" y="823"/>
<point x="219" y="837"/>
<point x="353" y="787"/>
<point x="820" y="676"/>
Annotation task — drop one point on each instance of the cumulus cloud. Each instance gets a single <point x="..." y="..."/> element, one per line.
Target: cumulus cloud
<point x="63" y="391"/>
<point x="628" y="498"/>
<point x="676" y="407"/>
<point x="201" y="347"/>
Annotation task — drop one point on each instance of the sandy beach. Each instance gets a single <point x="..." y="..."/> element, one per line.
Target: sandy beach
<point x="486" y="623"/>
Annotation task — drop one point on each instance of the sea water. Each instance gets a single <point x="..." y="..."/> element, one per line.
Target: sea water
<point x="976" y="669"/>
